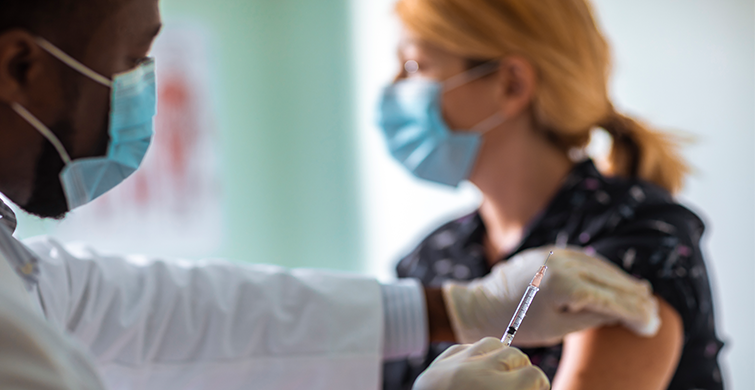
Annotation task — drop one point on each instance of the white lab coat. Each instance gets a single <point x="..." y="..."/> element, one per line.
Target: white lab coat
<point x="153" y="324"/>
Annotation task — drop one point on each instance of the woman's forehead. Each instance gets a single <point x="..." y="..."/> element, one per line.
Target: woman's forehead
<point x="411" y="47"/>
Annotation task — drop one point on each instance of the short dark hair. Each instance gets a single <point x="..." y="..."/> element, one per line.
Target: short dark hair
<point x="32" y="15"/>
<point x="61" y="20"/>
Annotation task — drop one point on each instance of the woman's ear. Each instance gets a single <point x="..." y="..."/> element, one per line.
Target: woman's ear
<point x="517" y="82"/>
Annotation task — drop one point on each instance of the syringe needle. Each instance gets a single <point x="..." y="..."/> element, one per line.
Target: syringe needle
<point x="549" y="256"/>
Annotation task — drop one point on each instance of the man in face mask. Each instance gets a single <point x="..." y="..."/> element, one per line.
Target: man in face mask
<point x="77" y="97"/>
<point x="67" y="103"/>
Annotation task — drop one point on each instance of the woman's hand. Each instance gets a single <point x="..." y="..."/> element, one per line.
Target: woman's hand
<point x="486" y="365"/>
<point x="579" y="291"/>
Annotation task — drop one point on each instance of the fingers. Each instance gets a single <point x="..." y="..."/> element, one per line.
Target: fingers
<point x="484" y="346"/>
<point x="499" y="368"/>
<point x="514" y="371"/>
<point x="509" y="359"/>
<point x="593" y="270"/>
<point x="493" y="350"/>
<point x="595" y="284"/>
<point x="637" y="310"/>
<point x="452" y="350"/>
<point x="605" y="303"/>
<point x="602" y="272"/>
<point x="637" y="307"/>
<point x="527" y="378"/>
<point x="647" y="322"/>
<point x="524" y="378"/>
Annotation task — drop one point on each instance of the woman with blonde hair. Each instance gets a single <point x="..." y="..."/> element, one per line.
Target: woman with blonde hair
<point x="505" y="94"/>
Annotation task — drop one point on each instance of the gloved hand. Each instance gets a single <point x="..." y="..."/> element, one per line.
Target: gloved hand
<point x="579" y="291"/>
<point x="486" y="365"/>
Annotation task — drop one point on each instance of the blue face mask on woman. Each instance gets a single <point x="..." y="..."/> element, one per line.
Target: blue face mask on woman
<point x="412" y="122"/>
<point x="133" y="106"/>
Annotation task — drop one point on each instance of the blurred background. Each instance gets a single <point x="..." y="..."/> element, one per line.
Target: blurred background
<point x="266" y="149"/>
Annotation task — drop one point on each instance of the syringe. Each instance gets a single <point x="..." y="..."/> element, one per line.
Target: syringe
<point x="524" y="304"/>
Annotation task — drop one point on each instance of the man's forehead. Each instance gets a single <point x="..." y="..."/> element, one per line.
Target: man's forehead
<point x="137" y="21"/>
<point x="81" y="26"/>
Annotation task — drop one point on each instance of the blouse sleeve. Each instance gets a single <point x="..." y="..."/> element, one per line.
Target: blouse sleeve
<point x="661" y="243"/>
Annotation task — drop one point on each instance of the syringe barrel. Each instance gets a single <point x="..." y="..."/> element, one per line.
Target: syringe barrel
<point x="521" y="310"/>
<point x="524" y="304"/>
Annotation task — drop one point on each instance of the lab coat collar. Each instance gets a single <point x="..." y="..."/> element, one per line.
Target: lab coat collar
<point x="18" y="256"/>
<point x="7" y="216"/>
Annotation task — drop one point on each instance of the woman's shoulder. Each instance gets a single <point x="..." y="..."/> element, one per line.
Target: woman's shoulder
<point x="609" y="204"/>
<point x="644" y="206"/>
<point x="641" y="228"/>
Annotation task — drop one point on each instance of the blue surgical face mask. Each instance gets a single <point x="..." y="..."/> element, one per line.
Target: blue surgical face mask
<point x="411" y="118"/>
<point x="132" y="108"/>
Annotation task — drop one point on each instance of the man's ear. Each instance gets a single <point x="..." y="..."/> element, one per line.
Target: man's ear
<point x="517" y="81"/>
<point x="21" y="63"/>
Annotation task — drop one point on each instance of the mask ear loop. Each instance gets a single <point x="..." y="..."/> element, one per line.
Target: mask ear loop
<point x="78" y="66"/>
<point x="73" y="63"/>
<point x="490" y="123"/>
<point x="475" y="73"/>
<point x="470" y="75"/>
<point x="24" y="113"/>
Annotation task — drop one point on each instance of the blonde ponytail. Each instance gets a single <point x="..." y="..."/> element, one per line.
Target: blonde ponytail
<point x="572" y="58"/>
<point x="639" y="151"/>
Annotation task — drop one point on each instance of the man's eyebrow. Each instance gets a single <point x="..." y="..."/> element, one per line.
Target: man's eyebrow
<point x="156" y="30"/>
<point x="153" y="32"/>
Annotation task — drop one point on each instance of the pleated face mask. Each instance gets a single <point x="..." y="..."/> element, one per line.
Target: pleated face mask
<point x="132" y="109"/>
<point x="418" y="137"/>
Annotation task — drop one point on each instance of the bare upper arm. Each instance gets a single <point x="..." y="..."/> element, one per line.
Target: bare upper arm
<point x="614" y="358"/>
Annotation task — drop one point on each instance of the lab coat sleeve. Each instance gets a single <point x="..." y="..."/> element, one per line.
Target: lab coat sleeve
<point x="155" y="324"/>
<point x="406" y="323"/>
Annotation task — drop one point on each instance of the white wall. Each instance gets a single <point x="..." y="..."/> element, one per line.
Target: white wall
<point x="682" y="64"/>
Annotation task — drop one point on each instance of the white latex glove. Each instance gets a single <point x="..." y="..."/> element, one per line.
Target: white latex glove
<point x="486" y="365"/>
<point x="578" y="292"/>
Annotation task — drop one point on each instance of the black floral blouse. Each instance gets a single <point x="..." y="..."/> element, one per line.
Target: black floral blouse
<point x="634" y="224"/>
